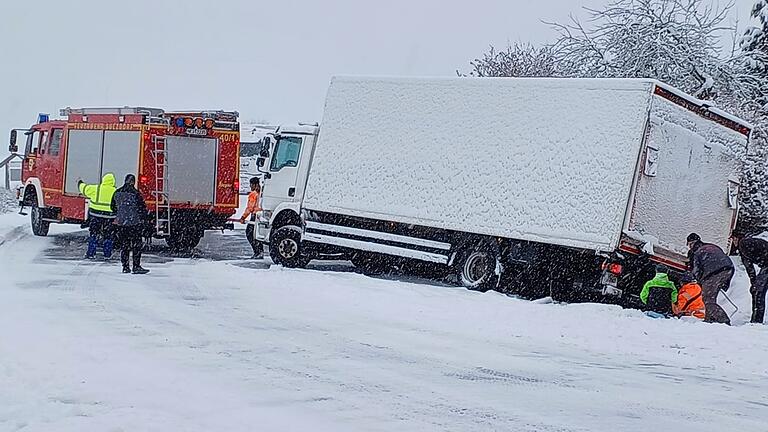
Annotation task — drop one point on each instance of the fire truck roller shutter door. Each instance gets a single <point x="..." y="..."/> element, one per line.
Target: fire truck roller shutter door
<point x="83" y="158"/>
<point x="191" y="169"/>
<point x="121" y="154"/>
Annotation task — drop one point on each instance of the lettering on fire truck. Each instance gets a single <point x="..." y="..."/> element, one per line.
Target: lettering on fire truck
<point x="105" y="126"/>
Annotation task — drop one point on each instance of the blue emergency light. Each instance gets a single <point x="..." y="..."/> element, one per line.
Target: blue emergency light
<point x="43" y="118"/>
<point x="179" y="122"/>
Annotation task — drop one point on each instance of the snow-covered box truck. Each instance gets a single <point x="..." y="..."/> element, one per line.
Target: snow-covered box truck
<point x="555" y="185"/>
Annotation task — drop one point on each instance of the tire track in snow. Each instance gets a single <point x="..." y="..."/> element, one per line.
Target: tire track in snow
<point x="13" y="236"/>
<point x="188" y="288"/>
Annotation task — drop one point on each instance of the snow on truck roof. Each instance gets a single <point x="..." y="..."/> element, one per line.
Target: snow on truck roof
<point x="536" y="159"/>
<point x="639" y="84"/>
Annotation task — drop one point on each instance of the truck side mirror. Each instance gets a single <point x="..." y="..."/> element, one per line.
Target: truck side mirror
<point x="13" y="148"/>
<point x="260" y="162"/>
<point x="266" y="144"/>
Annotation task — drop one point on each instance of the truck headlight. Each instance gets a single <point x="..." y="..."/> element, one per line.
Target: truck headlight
<point x="266" y="215"/>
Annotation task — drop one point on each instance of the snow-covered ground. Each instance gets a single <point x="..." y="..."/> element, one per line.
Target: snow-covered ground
<point x="8" y="202"/>
<point x="231" y="345"/>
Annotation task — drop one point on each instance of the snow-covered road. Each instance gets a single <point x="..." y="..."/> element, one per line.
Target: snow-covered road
<point x="207" y="344"/>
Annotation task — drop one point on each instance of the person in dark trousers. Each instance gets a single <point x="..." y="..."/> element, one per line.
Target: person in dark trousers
<point x="250" y="213"/>
<point x="713" y="269"/>
<point x="754" y="251"/>
<point x="130" y="214"/>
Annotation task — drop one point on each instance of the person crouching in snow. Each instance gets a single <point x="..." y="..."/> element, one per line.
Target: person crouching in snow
<point x="250" y="211"/>
<point x="659" y="293"/>
<point x="689" y="301"/>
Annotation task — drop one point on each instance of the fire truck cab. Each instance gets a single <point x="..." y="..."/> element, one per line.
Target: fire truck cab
<point x="186" y="165"/>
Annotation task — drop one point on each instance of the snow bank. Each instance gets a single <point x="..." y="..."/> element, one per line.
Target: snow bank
<point x="536" y="159"/>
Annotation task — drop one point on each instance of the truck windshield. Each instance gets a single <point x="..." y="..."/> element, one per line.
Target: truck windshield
<point x="287" y="153"/>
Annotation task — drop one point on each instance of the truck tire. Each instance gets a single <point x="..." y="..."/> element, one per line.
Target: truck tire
<point x="39" y="226"/>
<point x="370" y="264"/>
<point x="560" y="291"/>
<point x="475" y="266"/>
<point x="184" y="240"/>
<point x="285" y="247"/>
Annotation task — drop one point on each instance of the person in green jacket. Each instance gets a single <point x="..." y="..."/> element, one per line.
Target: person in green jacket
<point x="100" y="215"/>
<point x="660" y="293"/>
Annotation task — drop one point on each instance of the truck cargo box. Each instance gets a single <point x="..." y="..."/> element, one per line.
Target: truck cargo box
<point x="557" y="161"/>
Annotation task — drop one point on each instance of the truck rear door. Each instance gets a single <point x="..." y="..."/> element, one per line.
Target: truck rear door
<point x="687" y="179"/>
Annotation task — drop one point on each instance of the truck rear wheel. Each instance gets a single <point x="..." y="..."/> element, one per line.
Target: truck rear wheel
<point x="39" y="226"/>
<point x="475" y="266"/>
<point x="184" y="240"/>
<point x="285" y="247"/>
<point x="370" y="263"/>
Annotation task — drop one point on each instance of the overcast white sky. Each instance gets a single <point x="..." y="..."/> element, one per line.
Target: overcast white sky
<point x="270" y="60"/>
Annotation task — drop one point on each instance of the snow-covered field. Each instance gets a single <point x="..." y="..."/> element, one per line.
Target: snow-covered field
<point x="232" y="345"/>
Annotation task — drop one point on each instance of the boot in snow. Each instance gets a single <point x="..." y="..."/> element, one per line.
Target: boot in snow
<point x="140" y="270"/>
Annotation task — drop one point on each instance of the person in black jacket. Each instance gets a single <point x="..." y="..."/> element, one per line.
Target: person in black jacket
<point x="130" y="213"/>
<point x="714" y="271"/>
<point x="754" y="251"/>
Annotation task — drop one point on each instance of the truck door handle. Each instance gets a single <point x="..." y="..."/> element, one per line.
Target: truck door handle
<point x="291" y="191"/>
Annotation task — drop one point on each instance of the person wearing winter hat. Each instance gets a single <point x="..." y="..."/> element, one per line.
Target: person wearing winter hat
<point x="754" y="251"/>
<point x="713" y="269"/>
<point x="689" y="301"/>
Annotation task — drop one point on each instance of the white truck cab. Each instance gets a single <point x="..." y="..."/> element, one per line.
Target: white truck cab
<point x="286" y="156"/>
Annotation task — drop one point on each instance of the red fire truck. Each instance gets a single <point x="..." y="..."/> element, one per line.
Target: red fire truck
<point x="186" y="163"/>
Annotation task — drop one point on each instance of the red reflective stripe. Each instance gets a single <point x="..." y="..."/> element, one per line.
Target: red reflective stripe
<point x="636" y="251"/>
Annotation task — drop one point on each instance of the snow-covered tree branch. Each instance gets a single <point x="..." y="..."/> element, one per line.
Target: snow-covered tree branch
<point x="517" y="60"/>
<point x="675" y="41"/>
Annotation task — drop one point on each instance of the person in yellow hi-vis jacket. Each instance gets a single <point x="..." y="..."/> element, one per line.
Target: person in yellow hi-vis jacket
<point x="100" y="215"/>
<point x="251" y="212"/>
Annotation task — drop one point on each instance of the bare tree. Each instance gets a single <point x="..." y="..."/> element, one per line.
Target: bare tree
<point x="517" y="60"/>
<point x="753" y="52"/>
<point x="676" y="41"/>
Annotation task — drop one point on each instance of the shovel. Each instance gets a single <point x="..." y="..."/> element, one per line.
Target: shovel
<point x="736" y="308"/>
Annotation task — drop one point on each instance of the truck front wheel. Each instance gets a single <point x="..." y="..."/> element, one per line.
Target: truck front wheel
<point x="39" y="226"/>
<point x="475" y="266"/>
<point x="285" y="247"/>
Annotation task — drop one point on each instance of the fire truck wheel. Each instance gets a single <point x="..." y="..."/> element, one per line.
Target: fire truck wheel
<point x="184" y="240"/>
<point x="39" y="226"/>
<point x="285" y="248"/>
